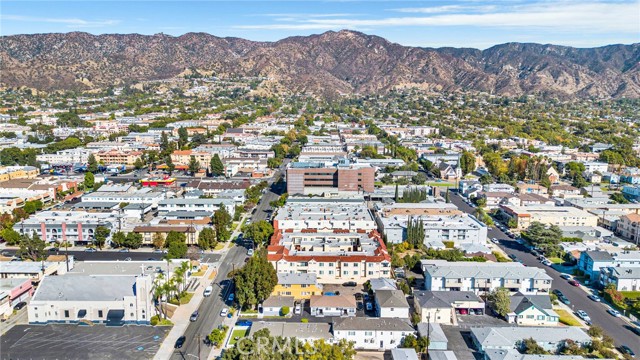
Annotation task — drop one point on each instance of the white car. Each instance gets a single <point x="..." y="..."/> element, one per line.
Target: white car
<point x="583" y="315"/>
<point x="547" y="263"/>
<point x="614" y="312"/>
<point x="224" y="312"/>
<point x="207" y="291"/>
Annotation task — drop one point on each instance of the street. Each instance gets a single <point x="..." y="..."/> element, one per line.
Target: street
<point x="114" y="255"/>
<point x="211" y="306"/>
<point x="617" y="328"/>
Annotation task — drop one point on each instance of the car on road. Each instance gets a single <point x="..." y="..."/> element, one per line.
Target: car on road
<point x="627" y="350"/>
<point x="20" y="305"/>
<point x="614" y="312"/>
<point x="494" y="240"/>
<point x="574" y="283"/>
<point x="350" y="284"/>
<point x="583" y="315"/>
<point x="547" y="263"/>
<point x="90" y="250"/>
<point x="565" y="276"/>
<point x="207" y="291"/>
<point x="194" y="316"/>
<point x="563" y="299"/>
<point x="224" y="312"/>
<point x="512" y="257"/>
<point x="180" y="342"/>
<point x="557" y="292"/>
<point x="123" y="250"/>
<point x="595" y="298"/>
<point x="635" y="329"/>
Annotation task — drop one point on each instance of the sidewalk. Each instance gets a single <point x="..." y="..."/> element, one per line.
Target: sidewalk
<point x="180" y="319"/>
<point x="230" y="322"/>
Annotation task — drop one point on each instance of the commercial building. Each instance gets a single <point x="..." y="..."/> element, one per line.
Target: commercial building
<point x="548" y="215"/>
<point x="310" y="178"/>
<point x="18" y="172"/>
<point x="109" y="299"/>
<point x="441" y="275"/>
<point x="13" y="291"/>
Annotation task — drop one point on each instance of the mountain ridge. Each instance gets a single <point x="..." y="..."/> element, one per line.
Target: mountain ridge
<point x="333" y="62"/>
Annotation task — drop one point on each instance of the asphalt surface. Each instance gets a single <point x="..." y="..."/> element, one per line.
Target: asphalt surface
<point x="81" y="342"/>
<point x="211" y="306"/>
<point x="617" y="328"/>
<point x="113" y="255"/>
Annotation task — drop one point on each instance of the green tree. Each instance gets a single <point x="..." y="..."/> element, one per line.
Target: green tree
<point x="530" y="346"/>
<point x="255" y="281"/>
<point x="259" y="232"/>
<point x="119" y="239"/>
<point x="31" y="248"/>
<point x="467" y="162"/>
<point x="170" y="165"/>
<point x="217" y="168"/>
<point x="618" y="198"/>
<point x="11" y="236"/>
<point x="92" y="164"/>
<point x="207" y="239"/>
<point x="133" y="240"/>
<point x="420" y="343"/>
<point x="89" y="180"/>
<point x="194" y="165"/>
<point x="100" y="236"/>
<point x="221" y="221"/>
<point x="176" y="244"/>
<point x="157" y="240"/>
<point x="419" y="179"/>
<point x="138" y="164"/>
<point x="183" y="137"/>
<point x="30" y="208"/>
<point x="501" y="301"/>
<point x="486" y="179"/>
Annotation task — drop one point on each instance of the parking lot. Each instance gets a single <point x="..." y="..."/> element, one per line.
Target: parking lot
<point x="81" y="342"/>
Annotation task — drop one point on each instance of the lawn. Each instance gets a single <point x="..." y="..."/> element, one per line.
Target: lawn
<point x="440" y="183"/>
<point x="219" y="246"/>
<point x="184" y="299"/>
<point x="237" y="335"/>
<point x="631" y="294"/>
<point x="555" y="260"/>
<point x="566" y="318"/>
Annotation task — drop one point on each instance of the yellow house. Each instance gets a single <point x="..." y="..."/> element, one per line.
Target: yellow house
<point x="299" y="285"/>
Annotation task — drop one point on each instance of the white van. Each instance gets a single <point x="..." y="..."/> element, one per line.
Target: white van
<point x="208" y="290"/>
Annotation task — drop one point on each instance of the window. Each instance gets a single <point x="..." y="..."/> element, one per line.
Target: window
<point x="66" y="313"/>
<point x="351" y="333"/>
<point x="530" y="316"/>
<point x="368" y="333"/>
<point x="355" y="272"/>
<point x="345" y="272"/>
<point x="99" y="313"/>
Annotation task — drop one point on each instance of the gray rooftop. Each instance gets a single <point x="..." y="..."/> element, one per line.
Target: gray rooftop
<point x="513" y="354"/>
<point x="443" y="299"/>
<point x="85" y="288"/>
<point x="382" y="284"/>
<point x="442" y="355"/>
<point x="391" y="298"/>
<point x="492" y="337"/>
<point x="278" y="301"/>
<point x="370" y="323"/>
<point x="599" y="255"/>
<point x="434" y="330"/>
<point x="404" y="354"/>
<point x="299" y="330"/>
<point x="520" y="303"/>
<point x="297" y="279"/>
<point x="479" y="270"/>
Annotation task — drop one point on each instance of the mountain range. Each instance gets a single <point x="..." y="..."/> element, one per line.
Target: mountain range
<point x="343" y="62"/>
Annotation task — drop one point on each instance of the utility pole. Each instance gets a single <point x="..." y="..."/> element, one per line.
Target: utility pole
<point x="428" y="333"/>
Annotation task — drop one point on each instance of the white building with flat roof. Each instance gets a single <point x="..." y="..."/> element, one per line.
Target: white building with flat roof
<point x="109" y="299"/>
<point x="548" y="215"/>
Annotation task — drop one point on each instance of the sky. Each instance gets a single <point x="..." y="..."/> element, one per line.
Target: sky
<point x="458" y="23"/>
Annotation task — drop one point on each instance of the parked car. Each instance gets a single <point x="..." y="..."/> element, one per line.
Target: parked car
<point x="207" y="341"/>
<point x="127" y="259"/>
<point x="358" y="297"/>
<point x="297" y="309"/>
<point x="20" y="305"/>
<point x="614" y="312"/>
<point x="583" y="315"/>
<point x="563" y="299"/>
<point x="494" y="240"/>
<point x="350" y="284"/>
<point x="547" y="263"/>
<point x="565" y="276"/>
<point x="90" y="250"/>
<point x="123" y="250"/>
<point x="224" y="312"/>
<point x="180" y="342"/>
<point x="512" y="257"/>
<point x="207" y="291"/>
<point x="595" y="298"/>
<point x="250" y="252"/>
<point x="627" y="350"/>
<point x="194" y="316"/>
<point x="463" y="311"/>
<point x="574" y="283"/>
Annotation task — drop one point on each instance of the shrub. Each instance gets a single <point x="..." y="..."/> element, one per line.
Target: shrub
<point x="154" y="320"/>
<point x="284" y="310"/>
<point x="448" y="244"/>
<point x="304" y="320"/>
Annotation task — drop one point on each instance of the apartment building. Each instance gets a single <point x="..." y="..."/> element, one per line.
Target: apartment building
<point x="629" y="227"/>
<point x="309" y="178"/>
<point x="211" y="205"/>
<point x="65" y="157"/>
<point x="368" y="333"/>
<point x="548" y="215"/>
<point x="117" y="157"/>
<point x="441" y="275"/>
<point x="75" y="227"/>
<point x="591" y="262"/>
<point x="18" y="172"/>
<point x="325" y="214"/>
<point x="298" y="285"/>
<point x="442" y="222"/>
<point x="625" y="278"/>
<point x="149" y="231"/>
<point x="183" y="157"/>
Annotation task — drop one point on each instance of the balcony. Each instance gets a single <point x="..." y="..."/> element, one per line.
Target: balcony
<point x="455" y="283"/>
<point x="512" y="283"/>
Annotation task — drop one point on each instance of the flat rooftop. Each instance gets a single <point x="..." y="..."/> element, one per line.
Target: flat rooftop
<point x="85" y="288"/>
